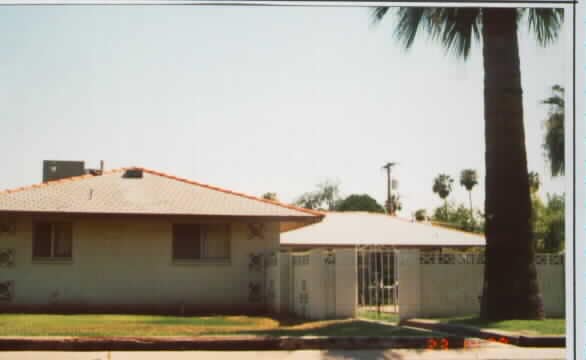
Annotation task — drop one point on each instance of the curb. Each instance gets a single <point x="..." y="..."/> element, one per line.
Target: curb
<point x="257" y="343"/>
<point x="463" y="330"/>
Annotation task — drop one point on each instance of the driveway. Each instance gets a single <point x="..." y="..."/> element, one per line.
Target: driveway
<point x="486" y="353"/>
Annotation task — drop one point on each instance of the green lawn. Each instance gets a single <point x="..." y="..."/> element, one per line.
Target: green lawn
<point x="147" y="325"/>
<point x="125" y="325"/>
<point x="525" y="327"/>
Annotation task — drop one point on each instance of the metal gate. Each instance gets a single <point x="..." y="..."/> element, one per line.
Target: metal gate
<point x="378" y="286"/>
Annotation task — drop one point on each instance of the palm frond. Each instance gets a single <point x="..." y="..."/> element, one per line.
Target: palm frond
<point x="545" y="24"/>
<point x="410" y="21"/>
<point x="455" y="28"/>
<point x="554" y="143"/>
<point x="556" y="101"/>
<point x="459" y="28"/>
<point x="379" y="13"/>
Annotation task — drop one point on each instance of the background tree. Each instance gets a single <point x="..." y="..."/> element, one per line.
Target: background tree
<point x="534" y="182"/>
<point x="537" y="207"/>
<point x="324" y="198"/>
<point x="469" y="179"/>
<point x="457" y="217"/>
<point x="554" y="236"/>
<point x="442" y="185"/>
<point x="511" y="289"/>
<point x="395" y="205"/>
<point x="420" y="215"/>
<point x="270" y="196"/>
<point x="554" y="131"/>
<point x="550" y="224"/>
<point x="356" y="202"/>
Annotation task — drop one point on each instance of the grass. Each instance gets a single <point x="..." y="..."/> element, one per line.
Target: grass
<point x="147" y="325"/>
<point x="524" y="327"/>
<point x="373" y="315"/>
<point x="126" y="325"/>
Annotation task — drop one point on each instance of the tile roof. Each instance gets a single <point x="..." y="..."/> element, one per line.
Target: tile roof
<point x="365" y="229"/>
<point x="155" y="193"/>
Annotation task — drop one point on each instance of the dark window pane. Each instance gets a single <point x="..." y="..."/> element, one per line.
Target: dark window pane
<point x="62" y="240"/>
<point x="186" y="241"/>
<point x="42" y="240"/>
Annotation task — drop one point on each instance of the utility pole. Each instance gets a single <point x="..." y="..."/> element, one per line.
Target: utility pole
<point x="389" y="204"/>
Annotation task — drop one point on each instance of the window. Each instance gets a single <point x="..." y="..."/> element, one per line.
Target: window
<point x="52" y="241"/>
<point x="186" y="241"/>
<point x="201" y="242"/>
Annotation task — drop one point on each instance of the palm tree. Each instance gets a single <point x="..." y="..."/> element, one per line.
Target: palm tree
<point x="469" y="179"/>
<point x="442" y="185"/>
<point x="511" y="290"/>
<point x="270" y="196"/>
<point x="554" y="130"/>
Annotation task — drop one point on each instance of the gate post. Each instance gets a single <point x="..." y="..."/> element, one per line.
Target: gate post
<point x="346" y="290"/>
<point x="409" y="280"/>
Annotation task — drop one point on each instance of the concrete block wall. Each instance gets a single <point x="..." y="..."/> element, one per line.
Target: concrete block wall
<point x="323" y="284"/>
<point x="446" y="289"/>
<point x="552" y="284"/>
<point x="284" y="282"/>
<point x="273" y="281"/>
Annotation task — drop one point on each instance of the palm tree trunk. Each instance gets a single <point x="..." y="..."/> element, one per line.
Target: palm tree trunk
<point x="446" y="210"/>
<point x="470" y="201"/>
<point x="511" y="289"/>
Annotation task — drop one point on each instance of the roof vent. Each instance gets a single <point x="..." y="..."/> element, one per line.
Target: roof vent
<point x="133" y="174"/>
<point x="56" y="169"/>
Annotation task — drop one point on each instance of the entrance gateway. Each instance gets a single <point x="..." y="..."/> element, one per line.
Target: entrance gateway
<point x="377" y="279"/>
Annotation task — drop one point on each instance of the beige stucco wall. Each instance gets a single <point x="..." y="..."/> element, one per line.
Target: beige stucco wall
<point x="130" y="262"/>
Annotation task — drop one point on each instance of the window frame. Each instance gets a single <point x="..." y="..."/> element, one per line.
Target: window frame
<point x="203" y="245"/>
<point x="52" y="242"/>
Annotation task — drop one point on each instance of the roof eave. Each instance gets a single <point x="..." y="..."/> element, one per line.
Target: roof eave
<point x="232" y="217"/>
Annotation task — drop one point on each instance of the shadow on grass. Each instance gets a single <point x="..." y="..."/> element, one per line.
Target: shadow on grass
<point x="293" y="327"/>
<point x="373" y="315"/>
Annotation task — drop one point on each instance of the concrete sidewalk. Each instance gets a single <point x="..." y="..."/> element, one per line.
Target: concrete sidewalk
<point x="487" y="353"/>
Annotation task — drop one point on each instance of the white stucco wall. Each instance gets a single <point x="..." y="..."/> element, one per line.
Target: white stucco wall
<point x="409" y="284"/>
<point x="346" y="283"/>
<point x="435" y="290"/>
<point x="303" y="286"/>
<point x="284" y="282"/>
<point x="330" y="286"/>
<point x="273" y="281"/>
<point x="130" y="262"/>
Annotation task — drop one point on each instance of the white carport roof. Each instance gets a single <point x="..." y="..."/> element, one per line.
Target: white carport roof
<point x="347" y="229"/>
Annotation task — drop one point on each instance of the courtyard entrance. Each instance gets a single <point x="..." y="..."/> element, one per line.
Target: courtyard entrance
<point x="377" y="279"/>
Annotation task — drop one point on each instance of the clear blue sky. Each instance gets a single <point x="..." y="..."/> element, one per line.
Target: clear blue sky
<point x="253" y="99"/>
